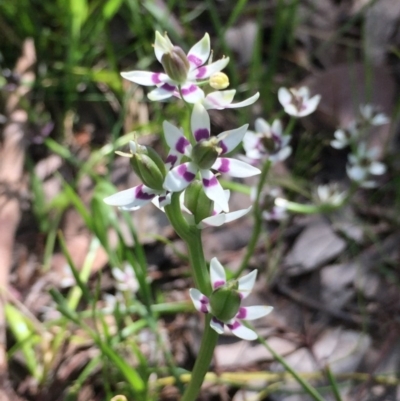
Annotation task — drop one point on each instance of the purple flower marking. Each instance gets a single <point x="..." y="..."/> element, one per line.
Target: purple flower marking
<point x="277" y="139"/>
<point x="139" y="194"/>
<point x="224" y="167"/>
<point x="191" y="89"/>
<point x="204" y="303"/>
<point x="210" y="183"/>
<point x="201" y="71"/>
<point x="181" y="144"/>
<point x="214" y="319"/>
<point x="187" y="175"/>
<point x="223" y="147"/>
<point x="201" y="133"/>
<point x="194" y="60"/>
<point x="156" y="78"/>
<point x="235" y="325"/>
<point x="242" y="313"/>
<point x="168" y="87"/>
<point x="218" y="283"/>
<point x="171" y="159"/>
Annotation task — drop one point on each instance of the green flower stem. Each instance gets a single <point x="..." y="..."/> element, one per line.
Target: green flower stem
<point x="203" y="361"/>
<point x="290" y="126"/>
<point x="257" y="220"/>
<point x="192" y="237"/>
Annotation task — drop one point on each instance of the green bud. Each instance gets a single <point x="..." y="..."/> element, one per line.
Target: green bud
<point x="225" y="302"/>
<point x="205" y="153"/>
<point x="197" y="201"/>
<point x="149" y="166"/>
<point x="176" y="64"/>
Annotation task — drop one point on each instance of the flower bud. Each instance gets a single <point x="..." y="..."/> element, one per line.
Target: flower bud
<point x="176" y="64"/>
<point x="205" y="153"/>
<point x="219" y="80"/>
<point x="197" y="201"/>
<point x="225" y="302"/>
<point x="148" y="165"/>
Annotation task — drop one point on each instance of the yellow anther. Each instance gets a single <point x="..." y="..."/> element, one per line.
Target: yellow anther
<point x="219" y="80"/>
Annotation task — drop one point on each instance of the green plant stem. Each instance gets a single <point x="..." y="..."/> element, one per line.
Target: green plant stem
<point x="306" y="386"/>
<point x="257" y="219"/>
<point x="192" y="237"/>
<point x="202" y="364"/>
<point x="197" y="261"/>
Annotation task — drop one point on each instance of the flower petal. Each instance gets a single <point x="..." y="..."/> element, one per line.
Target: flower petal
<point x="250" y="141"/>
<point x="356" y="173"/>
<point x="262" y="126"/>
<point x="277" y="130"/>
<point x="212" y="221"/>
<point x="244" y="103"/>
<point x="200" y="301"/>
<point x="231" y="216"/>
<point x="217" y="325"/>
<point x="175" y="138"/>
<point x="284" y="96"/>
<point x="163" y="92"/>
<point x="230" y="139"/>
<point x="191" y="93"/>
<point x="219" y="100"/>
<point x="213" y="189"/>
<point x="217" y="274"/>
<point x="217" y="207"/>
<point x="310" y="106"/>
<point x="162" y="200"/>
<point x="377" y="168"/>
<point x="246" y="283"/>
<point x="206" y="71"/>
<point x="200" y="52"/>
<point x="241" y="331"/>
<point x="200" y="122"/>
<point x="234" y="167"/>
<point x="118" y="274"/>
<point x="253" y="312"/>
<point x="180" y="177"/>
<point x="162" y="45"/>
<point x="145" y="78"/>
<point x="283" y="154"/>
<point x="132" y="198"/>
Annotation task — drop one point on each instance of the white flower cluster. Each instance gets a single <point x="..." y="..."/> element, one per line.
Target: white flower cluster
<point x="362" y="162"/>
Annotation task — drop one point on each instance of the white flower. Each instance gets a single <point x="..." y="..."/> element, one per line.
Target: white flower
<point x="297" y="102"/>
<point x="370" y="114"/>
<point x="267" y="141"/>
<point x="363" y="164"/>
<point x="125" y="278"/>
<point x="345" y="136"/>
<point x="234" y="293"/>
<point x="330" y="194"/>
<point x="167" y="86"/>
<point x="205" y="156"/>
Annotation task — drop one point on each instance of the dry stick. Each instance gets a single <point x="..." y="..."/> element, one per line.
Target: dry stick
<point x="12" y="156"/>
